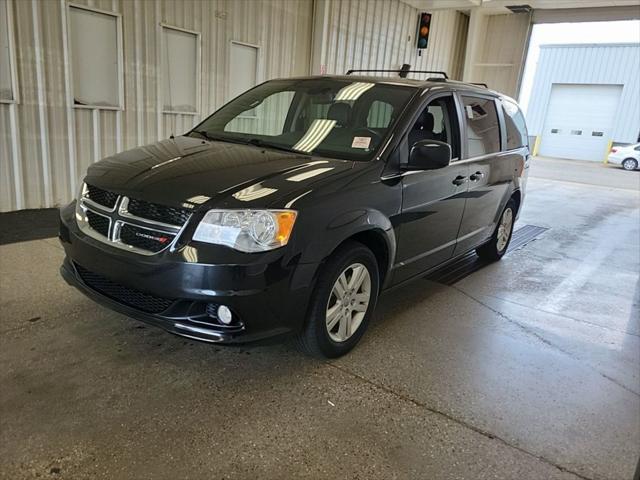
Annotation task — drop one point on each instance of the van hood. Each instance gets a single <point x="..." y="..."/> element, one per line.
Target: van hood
<point x="191" y="172"/>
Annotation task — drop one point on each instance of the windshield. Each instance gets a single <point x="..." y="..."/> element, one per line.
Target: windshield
<point x="326" y="117"/>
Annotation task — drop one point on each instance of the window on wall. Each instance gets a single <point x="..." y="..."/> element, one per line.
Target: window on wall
<point x="483" y="129"/>
<point x="181" y="70"/>
<point x="6" y="81"/>
<point x="244" y="68"/>
<point x="95" y="58"/>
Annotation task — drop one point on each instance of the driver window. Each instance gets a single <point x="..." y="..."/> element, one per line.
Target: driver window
<point x="437" y="121"/>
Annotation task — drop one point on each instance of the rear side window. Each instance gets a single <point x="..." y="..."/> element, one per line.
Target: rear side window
<point x="516" y="128"/>
<point x="483" y="129"/>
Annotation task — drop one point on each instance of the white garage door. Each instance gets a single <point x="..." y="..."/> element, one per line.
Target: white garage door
<point x="579" y="121"/>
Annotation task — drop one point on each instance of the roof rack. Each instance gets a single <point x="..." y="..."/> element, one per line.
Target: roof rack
<point x="400" y="71"/>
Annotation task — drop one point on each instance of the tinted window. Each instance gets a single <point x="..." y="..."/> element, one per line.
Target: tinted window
<point x="483" y="129"/>
<point x="516" y="128"/>
<point x="437" y="122"/>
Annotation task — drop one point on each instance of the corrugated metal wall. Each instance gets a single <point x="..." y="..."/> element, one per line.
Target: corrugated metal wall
<point x="45" y="143"/>
<point x="590" y="64"/>
<point x="382" y="34"/>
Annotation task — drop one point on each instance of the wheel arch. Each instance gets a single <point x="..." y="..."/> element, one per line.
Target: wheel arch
<point x="371" y="229"/>
<point x="517" y="197"/>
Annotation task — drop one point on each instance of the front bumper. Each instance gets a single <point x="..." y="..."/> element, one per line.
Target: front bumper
<point x="267" y="294"/>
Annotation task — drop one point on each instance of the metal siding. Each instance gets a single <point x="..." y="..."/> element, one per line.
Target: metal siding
<point x="382" y="34"/>
<point x="48" y="146"/>
<point x="590" y="64"/>
<point x="49" y="143"/>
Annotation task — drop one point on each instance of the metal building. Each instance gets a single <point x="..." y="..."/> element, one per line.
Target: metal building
<point x="200" y="54"/>
<point x="584" y="99"/>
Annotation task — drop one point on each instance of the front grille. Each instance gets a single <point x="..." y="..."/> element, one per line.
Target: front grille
<point x="159" y="213"/>
<point x="98" y="222"/>
<point x="128" y="296"/>
<point x="143" y="238"/>
<point x="107" y="199"/>
<point x="149" y="227"/>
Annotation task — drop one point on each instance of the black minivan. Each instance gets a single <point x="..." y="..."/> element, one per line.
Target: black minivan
<point x="288" y="210"/>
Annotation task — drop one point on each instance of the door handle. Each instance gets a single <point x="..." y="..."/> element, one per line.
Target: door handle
<point x="459" y="180"/>
<point x="476" y="176"/>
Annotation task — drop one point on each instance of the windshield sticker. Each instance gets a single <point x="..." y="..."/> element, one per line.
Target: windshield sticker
<point x="361" y="142"/>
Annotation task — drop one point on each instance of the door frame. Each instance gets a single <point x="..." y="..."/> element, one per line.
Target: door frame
<point x="501" y="123"/>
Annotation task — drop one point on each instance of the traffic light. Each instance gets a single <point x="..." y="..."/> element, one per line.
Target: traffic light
<point x="423" y="30"/>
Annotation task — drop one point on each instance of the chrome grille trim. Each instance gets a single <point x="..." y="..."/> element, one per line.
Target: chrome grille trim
<point x="118" y="216"/>
<point x="124" y="212"/>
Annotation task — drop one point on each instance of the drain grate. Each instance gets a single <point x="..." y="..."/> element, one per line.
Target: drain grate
<point x="469" y="263"/>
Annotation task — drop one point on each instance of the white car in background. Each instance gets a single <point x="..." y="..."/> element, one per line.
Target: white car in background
<point x="627" y="156"/>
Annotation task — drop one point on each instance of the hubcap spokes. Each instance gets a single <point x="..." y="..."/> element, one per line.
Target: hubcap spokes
<point x="348" y="302"/>
<point x="504" y="229"/>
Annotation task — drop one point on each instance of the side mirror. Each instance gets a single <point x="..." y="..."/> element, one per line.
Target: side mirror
<point x="429" y="155"/>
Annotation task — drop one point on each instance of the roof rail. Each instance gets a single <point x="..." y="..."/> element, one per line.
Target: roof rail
<point x="399" y="71"/>
<point x="480" y="84"/>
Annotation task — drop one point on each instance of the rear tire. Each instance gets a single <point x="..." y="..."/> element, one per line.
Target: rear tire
<point x="629" y="164"/>
<point x="497" y="246"/>
<point x="343" y="302"/>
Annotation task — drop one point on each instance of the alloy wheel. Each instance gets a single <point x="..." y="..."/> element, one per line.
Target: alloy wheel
<point x="348" y="302"/>
<point x="504" y="229"/>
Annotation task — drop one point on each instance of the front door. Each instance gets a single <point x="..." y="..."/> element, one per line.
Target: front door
<point x="433" y="200"/>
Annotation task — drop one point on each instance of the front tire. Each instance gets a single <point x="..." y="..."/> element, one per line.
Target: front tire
<point x="497" y="246"/>
<point x="343" y="302"/>
<point x="629" y="164"/>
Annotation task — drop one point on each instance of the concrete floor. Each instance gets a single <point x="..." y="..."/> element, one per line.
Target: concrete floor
<point x="527" y="369"/>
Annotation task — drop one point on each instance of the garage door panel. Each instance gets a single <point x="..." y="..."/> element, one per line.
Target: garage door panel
<point x="580" y="121"/>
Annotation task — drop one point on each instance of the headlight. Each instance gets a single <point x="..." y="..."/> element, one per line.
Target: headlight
<point x="247" y="230"/>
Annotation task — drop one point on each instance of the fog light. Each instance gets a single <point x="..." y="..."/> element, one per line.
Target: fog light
<point x="224" y="315"/>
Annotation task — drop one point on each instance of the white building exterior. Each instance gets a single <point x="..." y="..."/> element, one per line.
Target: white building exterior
<point x="584" y="99"/>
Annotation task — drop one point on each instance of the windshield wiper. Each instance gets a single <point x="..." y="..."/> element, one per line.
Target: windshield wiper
<point x="212" y="138"/>
<point x="250" y="141"/>
<point x="261" y="143"/>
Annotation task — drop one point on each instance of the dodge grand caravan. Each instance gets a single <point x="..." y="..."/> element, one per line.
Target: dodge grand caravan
<point x="289" y="209"/>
